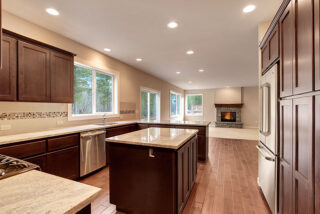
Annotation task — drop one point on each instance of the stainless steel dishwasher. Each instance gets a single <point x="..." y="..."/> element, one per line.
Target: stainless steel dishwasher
<point x="92" y="151"/>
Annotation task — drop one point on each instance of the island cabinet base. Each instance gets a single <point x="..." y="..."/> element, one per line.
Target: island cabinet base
<point x="146" y="180"/>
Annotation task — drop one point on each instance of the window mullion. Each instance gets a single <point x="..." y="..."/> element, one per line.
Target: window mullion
<point x="94" y="82"/>
<point x="148" y="105"/>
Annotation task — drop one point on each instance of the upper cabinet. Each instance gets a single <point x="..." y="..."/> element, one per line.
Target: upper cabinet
<point x="8" y="72"/>
<point x="270" y="50"/>
<point x="61" y="79"/>
<point x="35" y="72"/>
<point x="317" y="44"/>
<point x="286" y="24"/>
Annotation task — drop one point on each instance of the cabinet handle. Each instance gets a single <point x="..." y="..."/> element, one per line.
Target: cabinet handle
<point x="151" y="155"/>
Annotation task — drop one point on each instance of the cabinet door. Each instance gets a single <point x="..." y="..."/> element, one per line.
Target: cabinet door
<point x="317" y="43"/>
<point x="274" y="45"/>
<point x="287" y="39"/>
<point x="61" y="72"/>
<point x="303" y="75"/>
<point x="34" y="71"/>
<point x="8" y="72"/>
<point x="0" y="33"/>
<point x="303" y="155"/>
<point x="285" y="178"/>
<point x="317" y="154"/>
<point x="64" y="163"/>
<point x="264" y="57"/>
<point x="40" y="160"/>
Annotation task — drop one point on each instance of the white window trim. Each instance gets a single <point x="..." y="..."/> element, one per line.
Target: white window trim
<point x="98" y="115"/>
<point x="186" y="105"/>
<point x="159" y="101"/>
<point x="181" y="100"/>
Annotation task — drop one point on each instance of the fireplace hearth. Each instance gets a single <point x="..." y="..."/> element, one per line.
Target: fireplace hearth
<point x="229" y="115"/>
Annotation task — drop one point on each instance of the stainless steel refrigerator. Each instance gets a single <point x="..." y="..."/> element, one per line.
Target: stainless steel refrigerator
<point x="268" y="137"/>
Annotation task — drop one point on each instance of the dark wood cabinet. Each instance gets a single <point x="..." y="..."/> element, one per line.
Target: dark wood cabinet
<point x="303" y="75"/>
<point x="303" y="154"/>
<point x="142" y="126"/>
<point x="270" y="50"/>
<point x="34" y="72"/>
<point x="63" y="142"/>
<point x="40" y="160"/>
<point x="317" y="154"/>
<point x="0" y="33"/>
<point x="64" y="163"/>
<point x="287" y="48"/>
<point x="286" y="164"/>
<point x="62" y="80"/>
<point x="8" y="71"/>
<point x="317" y="44"/>
<point x="24" y="150"/>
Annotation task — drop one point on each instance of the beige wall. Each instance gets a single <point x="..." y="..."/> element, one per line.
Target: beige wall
<point x="246" y="95"/>
<point x="130" y="80"/>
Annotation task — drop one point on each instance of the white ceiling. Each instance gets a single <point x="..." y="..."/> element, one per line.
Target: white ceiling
<point x="224" y="39"/>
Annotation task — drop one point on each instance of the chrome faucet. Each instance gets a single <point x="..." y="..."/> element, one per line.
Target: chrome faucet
<point x="104" y="117"/>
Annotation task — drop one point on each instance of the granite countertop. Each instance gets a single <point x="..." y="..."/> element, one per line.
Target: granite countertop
<point x="15" y="138"/>
<point x="39" y="192"/>
<point x="168" y="138"/>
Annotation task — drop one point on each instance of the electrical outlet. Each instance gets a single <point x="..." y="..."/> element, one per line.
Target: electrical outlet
<point x="5" y="127"/>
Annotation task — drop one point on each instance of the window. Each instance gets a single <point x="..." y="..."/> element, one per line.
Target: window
<point x="94" y="92"/>
<point x="150" y="104"/>
<point x="194" y="106"/>
<point x="175" y="104"/>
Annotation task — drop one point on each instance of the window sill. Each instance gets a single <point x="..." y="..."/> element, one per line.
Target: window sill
<point x="91" y="117"/>
<point x="194" y="115"/>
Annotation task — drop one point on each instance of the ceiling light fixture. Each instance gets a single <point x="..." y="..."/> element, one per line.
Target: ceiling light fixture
<point x="249" y="8"/>
<point x="201" y="70"/>
<point x="190" y="52"/>
<point x="107" y="49"/>
<point x="138" y="59"/>
<point x="172" y="25"/>
<point x="52" y="11"/>
<point x="178" y="72"/>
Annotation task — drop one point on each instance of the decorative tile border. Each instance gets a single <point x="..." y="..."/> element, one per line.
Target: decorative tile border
<point x="127" y="111"/>
<point x="32" y="115"/>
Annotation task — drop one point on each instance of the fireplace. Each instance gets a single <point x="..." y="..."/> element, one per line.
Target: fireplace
<point x="228" y="115"/>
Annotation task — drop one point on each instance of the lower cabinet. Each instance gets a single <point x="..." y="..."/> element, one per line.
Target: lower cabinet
<point x="40" y="160"/>
<point x="296" y="155"/>
<point x="317" y="154"/>
<point x="64" y="163"/>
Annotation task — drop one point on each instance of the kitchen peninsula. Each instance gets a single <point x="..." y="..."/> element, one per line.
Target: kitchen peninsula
<point x="153" y="170"/>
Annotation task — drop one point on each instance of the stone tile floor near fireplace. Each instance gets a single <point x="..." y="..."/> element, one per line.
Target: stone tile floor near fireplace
<point x="234" y="133"/>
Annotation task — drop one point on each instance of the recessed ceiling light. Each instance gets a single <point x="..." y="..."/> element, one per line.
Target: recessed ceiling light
<point x="190" y="82"/>
<point x="107" y="49"/>
<point x="178" y="72"/>
<point x="201" y="70"/>
<point x="190" y="52"/>
<point x="172" y="25"/>
<point x="138" y="59"/>
<point x="249" y="8"/>
<point x="52" y="11"/>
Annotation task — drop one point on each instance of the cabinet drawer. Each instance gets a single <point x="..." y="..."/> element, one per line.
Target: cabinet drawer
<point x="120" y="130"/>
<point x="63" y="142"/>
<point x="202" y="130"/>
<point x="25" y="149"/>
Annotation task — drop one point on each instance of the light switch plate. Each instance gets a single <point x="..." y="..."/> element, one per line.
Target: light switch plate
<point x="5" y="127"/>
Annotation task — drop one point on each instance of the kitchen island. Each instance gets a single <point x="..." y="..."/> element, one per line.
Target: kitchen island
<point x="39" y="192"/>
<point x="153" y="170"/>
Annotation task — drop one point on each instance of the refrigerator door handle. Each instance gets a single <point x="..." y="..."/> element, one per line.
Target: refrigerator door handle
<point x="259" y="148"/>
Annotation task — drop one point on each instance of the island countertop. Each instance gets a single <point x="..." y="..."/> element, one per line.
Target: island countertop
<point x="168" y="138"/>
<point x="39" y="192"/>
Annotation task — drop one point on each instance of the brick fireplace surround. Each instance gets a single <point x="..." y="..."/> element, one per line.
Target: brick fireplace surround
<point x="229" y="108"/>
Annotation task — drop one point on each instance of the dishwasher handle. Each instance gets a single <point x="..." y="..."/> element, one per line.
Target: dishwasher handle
<point x="91" y="134"/>
<point x="263" y="154"/>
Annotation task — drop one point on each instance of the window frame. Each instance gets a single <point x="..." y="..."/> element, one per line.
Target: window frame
<point x="115" y="100"/>
<point x="149" y="90"/>
<point x="186" y="105"/>
<point x="181" y="100"/>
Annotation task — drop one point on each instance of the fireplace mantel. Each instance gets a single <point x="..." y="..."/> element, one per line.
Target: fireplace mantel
<point x="238" y="105"/>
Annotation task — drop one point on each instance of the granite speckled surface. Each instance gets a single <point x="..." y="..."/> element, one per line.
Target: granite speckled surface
<point x="39" y="192"/>
<point x="168" y="138"/>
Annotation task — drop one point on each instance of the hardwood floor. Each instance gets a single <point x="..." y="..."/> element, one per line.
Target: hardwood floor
<point x="226" y="183"/>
